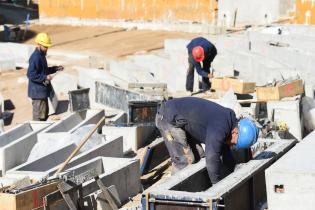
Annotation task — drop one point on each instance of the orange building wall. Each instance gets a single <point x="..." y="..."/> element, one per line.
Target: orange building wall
<point x="305" y="11"/>
<point x="187" y="10"/>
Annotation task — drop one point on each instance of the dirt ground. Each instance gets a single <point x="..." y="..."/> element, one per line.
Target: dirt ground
<point x="107" y="42"/>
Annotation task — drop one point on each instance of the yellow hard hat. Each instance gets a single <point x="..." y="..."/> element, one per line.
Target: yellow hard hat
<point x="43" y="39"/>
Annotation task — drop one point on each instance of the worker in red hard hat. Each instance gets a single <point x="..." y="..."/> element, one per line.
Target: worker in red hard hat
<point x="201" y="53"/>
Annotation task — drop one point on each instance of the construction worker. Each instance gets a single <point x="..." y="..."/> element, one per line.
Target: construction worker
<point x="40" y="75"/>
<point x="201" y="53"/>
<point x="187" y="122"/>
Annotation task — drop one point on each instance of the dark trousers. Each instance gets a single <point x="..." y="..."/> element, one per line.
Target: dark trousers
<point x="205" y="83"/>
<point x="182" y="151"/>
<point x="40" y="109"/>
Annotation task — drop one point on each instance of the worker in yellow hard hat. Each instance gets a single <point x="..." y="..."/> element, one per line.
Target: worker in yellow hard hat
<point x="40" y="75"/>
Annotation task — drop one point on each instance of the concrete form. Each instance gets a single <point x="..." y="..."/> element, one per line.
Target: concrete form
<point x="134" y="137"/>
<point x="46" y="166"/>
<point x="123" y="173"/>
<point x="115" y="97"/>
<point x="290" y="181"/>
<point x="16" y="144"/>
<point x="244" y="189"/>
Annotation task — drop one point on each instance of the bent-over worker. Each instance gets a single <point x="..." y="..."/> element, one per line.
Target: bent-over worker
<point x="187" y="122"/>
<point x="40" y="75"/>
<point x="201" y="53"/>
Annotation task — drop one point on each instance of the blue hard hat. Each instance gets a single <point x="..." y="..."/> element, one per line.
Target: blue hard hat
<point x="247" y="134"/>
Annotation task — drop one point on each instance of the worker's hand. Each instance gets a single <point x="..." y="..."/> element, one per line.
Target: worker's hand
<point x="59" y="68"/>
<point x="210" y="75"/>
<point x="49" y="77"/>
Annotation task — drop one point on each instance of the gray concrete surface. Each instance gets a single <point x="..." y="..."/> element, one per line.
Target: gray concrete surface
<point x="134" y="137"/>
<point x="46" y="166"/>
<point x="123" y="173"/>
<point x="290" y="182"/>
<point x="16" y="144"/>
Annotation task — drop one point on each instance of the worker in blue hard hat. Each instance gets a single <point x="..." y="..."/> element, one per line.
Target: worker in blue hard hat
<point x="186" y="123"/>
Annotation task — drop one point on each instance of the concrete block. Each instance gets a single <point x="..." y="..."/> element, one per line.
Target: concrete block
<point x="175" y="46"/>
<point x="301" y="62"/>
<point x="134" y="137"/>
<point x="16" y="144"/>
<point x="290" y="182"/>
<point x="63" y="83"/>
<point x="290" y="113"/>
<point x="6" y="63"/>
<point x="20" y="52"/>
<point x="47" y="165"/>
<point x="166" y="68"/>
<point x="88" y="77"/>
<point x="130" y="72"/>
<point x="123" y="173"/>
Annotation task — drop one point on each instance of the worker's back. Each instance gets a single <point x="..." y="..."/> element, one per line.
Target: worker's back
<point x="198" y="117"/>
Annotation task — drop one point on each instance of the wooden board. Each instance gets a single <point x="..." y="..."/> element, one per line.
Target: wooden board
<point x="26" y="200"/>
<point x="239" y="86"/>
<point x="276" y="93"/>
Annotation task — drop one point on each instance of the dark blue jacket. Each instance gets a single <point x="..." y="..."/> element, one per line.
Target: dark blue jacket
<point x="208" y="123"/>
<point x="210" y="52"/>
<point x="37" y="73"/>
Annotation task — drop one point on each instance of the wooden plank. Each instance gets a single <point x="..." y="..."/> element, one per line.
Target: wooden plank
<point x="26" y="200"/>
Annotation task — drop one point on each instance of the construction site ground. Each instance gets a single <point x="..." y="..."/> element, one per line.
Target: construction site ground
<point x="106" y="42"/>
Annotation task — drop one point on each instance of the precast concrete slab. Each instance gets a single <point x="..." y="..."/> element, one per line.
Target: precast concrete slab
<point x="16" y="144"/>
<point x="48" y="165"/>
<point x="177" y="46"/>
<point x="123" y="173"/>
<point x="130" y="72"/>
<point x="243" y="189"/>
<point x="301" y="62"/>
<point x="167" y="68"/>
<point x="285" y="38"/>
<point x="20" y="52"/>
<point x="6" y="63"/>
<point x="135" y="136"/>
<point x="290" y="181"/>
<point x="66" y="130"/>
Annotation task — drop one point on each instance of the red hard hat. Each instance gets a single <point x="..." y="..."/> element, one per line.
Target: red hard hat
<point x="198" y="53"/>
